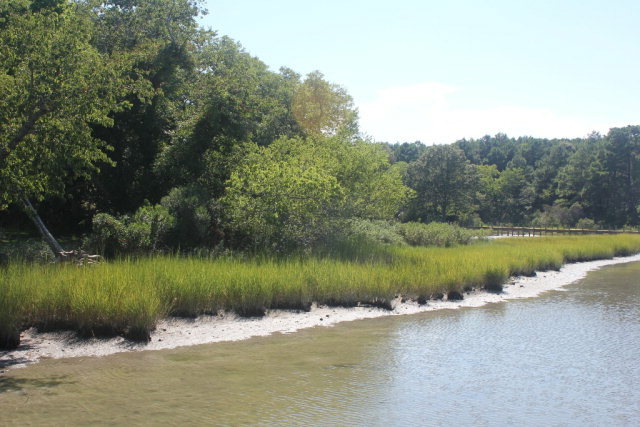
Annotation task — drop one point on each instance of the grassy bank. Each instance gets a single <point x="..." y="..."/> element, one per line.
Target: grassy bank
<point x="128" y="296"/>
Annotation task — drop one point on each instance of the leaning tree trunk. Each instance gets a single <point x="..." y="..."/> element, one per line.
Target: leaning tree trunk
<point x="46" y="235"/>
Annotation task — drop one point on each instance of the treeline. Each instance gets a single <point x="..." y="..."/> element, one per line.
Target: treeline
<point x="583" y="182"/>
<point x="126" y="120"/>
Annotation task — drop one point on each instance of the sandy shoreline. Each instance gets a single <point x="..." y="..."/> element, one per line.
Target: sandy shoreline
<point x="175" y="332"/>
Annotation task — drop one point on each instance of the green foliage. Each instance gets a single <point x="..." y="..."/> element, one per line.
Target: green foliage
<point x="143" y="233"/>
<point x="444" y="182"/>
<point x="436" y="234"/>
<point x="586" y="224"/>
<point x="27" y="250"/>
<point x="195" y="217"/>
<point x="378" y="231"/>
<point x="108" y="236"/>
<point x="515" y="196"/>
<point x="497" y="150"/>
<point x="405" y="152"/>
<point x="410" y="233"/>
<point x="107" y="104"/>
<point x="324" y="109"/>
<point x="281" y="203"/>
<point x="600" y="173"/>
<point x="53" y="85"/>
<point x="504" y="197"/>
<point x="295" y="191"/>
<point x="559" y="216"/>
<point x="234" y="98"/>
<point x="160" y="38"/>
<point x="603" y="176"/>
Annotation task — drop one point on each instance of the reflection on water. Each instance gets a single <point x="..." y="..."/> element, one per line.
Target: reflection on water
<point x="568" y="357"/>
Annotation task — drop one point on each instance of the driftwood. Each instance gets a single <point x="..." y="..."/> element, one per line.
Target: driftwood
<point x="79" y="257"/>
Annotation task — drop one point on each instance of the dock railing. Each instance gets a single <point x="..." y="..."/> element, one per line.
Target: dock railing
<point x="501" y="230"/>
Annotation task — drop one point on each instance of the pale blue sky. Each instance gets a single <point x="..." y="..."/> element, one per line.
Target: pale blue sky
<point x="437" y="71"/>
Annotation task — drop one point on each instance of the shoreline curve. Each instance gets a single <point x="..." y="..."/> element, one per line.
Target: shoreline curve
<point x="178" y="332"/>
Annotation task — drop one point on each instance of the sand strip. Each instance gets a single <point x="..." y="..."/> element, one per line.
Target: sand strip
<point x="177" y="332"/>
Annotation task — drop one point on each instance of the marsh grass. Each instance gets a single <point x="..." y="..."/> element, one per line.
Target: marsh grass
<point x="128" y="296"/>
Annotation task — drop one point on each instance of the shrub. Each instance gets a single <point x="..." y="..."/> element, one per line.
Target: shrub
<point x="402" y="234"/>
<point x="586" y="223"/>
<point x="195" y="218"/>
<point x="291" y="194"/>
<point x="558" y="216"/>
<point x="153" y="223"/>
<point x="142" y="233"/>
<point x="27" y="250"/>
<point x="435" y="234"/>
<point x="376" y="231"/>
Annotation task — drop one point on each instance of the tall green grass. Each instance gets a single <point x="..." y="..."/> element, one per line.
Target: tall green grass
<point x="128" y="296"/>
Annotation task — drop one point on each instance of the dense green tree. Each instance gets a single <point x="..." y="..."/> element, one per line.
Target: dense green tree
<point x="235" y="99"/>
<point x="117" y="105"/>
<point x="603" y="175"/>
<point x="294" y="192"/>
<point x="53" y="86"/>
<point x="324" y="109"/>
<point x="444" y="182"/>
<point x="583" y="178"/>
<point x="557" y="215"/>
<point x="623" y="164"/>
<point x="545" y="171"/>
<point x="497" y="150"/>
<point x="504" y="197"/>
<point x="488" y="193"/>
<point x="405" y="152"/>
<point x="161" y="37"/>
<point x="515" y="197"/>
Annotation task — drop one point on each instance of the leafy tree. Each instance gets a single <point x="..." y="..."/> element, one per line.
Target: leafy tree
<point x="504" y="197"/>
<point x="515" y="196"/>
<point x="280" y="202"/>
<point x="406" y="152"/>
<point x="501" y="151"/>
<point x="497" y="150"/>
<point x="53" y="85"/>
<point x="324" y="109"/>
<point x="444" y="182"/>
<point x="197" y="218"/>
<point x="144" y="232"/>
<point x="603" y="176"/>
<point x="161" y="38"/>
<point x="488" y="193"/>
<point x="559" y="216"/>
<point x="623" y="164"/>
<point x="234" y="99"/>
<point x="295" y="192"/>
<point x="544" y="176"/>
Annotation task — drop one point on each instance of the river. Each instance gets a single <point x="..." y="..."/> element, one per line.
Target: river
<point x="567" y="357"/>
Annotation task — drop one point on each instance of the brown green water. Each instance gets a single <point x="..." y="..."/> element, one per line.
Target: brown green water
<point x="569" y="357"/>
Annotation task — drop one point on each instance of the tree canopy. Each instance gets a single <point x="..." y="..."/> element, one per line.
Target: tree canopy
<point x="296" y="192"/>
<point x="444" y="181"/>
<point x="128" y="110"/>
<point x="53" y="86"/>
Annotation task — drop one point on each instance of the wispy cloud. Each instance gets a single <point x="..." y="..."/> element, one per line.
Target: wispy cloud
<point x="426" y="112"/>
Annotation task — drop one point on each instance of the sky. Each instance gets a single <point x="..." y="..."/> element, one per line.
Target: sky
<point x="439" y="71"/>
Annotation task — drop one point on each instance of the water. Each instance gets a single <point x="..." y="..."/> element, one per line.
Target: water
<point x="566" y="358"/>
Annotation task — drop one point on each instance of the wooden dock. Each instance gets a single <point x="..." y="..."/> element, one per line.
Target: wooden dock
<point x="500" y="230"/>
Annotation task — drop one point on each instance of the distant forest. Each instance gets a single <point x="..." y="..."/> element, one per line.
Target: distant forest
<point x="125" y="119"/>
<point x="592" y="181"/>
